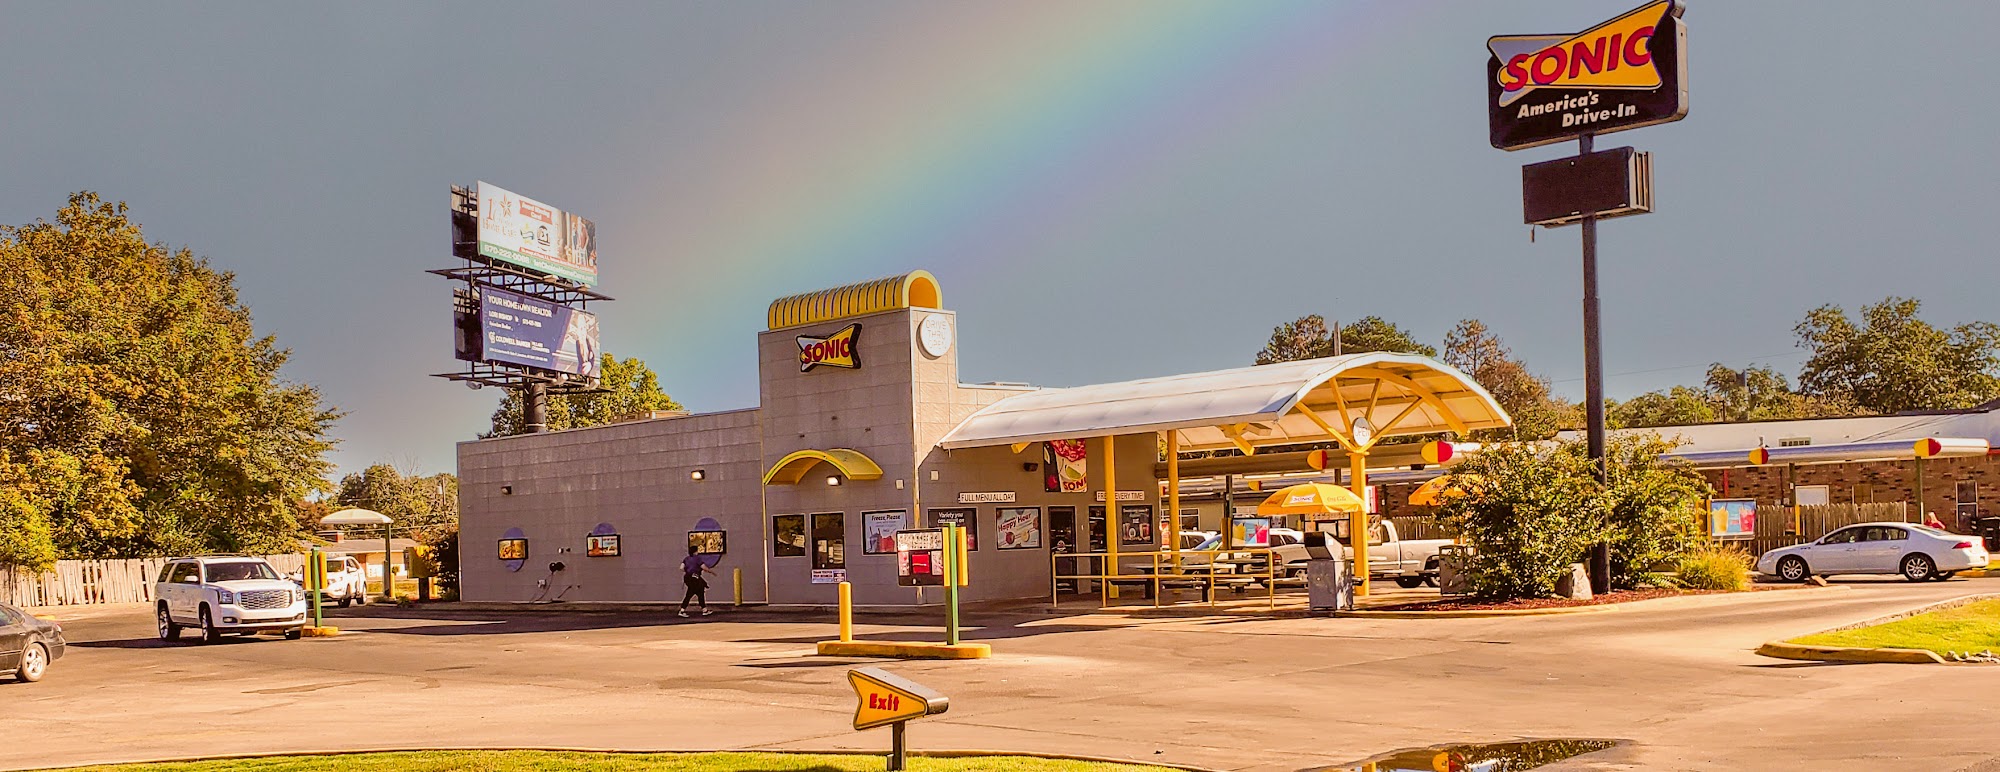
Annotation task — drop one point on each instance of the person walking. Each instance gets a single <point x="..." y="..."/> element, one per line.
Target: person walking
<point x="697" y="587"/>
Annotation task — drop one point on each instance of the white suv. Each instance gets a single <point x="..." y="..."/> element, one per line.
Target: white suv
<point x="226" y="596"/>
<point x="346" y="581"/>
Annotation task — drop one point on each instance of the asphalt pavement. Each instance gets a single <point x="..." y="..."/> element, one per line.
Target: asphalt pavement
<point x="1674" y="680"/>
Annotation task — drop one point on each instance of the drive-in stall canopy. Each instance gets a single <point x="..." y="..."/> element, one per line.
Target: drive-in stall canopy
<point x="1356" y="400"/>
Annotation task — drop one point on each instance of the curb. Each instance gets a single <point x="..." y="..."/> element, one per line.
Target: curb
<point x="937" y="754"/>
<point x="1480" y="613"/>
<point x="1783" y="650"/>
<point x="1797" y="651"/>
<point x="904" y="649"/>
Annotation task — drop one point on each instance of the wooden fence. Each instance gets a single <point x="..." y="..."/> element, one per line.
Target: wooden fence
<point x="1773" y="522"/>
<point x="90" y="582"/>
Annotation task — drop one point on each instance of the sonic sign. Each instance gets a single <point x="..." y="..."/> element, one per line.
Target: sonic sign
<point x="1622" y="74"/>
<point x="836" y="350"/>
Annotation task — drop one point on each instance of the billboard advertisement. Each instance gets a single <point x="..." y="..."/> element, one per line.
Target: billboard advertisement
<point x="522" y="330"/>
<point x="542" y="239"/>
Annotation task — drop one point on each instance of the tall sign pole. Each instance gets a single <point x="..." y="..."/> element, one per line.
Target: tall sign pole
<point x="1593" y="378"/>
<point x="1620" y="74"/>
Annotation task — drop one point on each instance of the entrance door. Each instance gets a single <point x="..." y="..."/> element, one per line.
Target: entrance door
<point x="1062" y="541"/>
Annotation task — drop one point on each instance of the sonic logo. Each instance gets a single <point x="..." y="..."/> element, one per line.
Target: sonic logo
<point x="1614" y="55"/>
<point x="836" y="350"/>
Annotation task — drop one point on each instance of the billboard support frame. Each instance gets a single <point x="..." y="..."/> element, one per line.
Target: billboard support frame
<point x="536" y="384"/>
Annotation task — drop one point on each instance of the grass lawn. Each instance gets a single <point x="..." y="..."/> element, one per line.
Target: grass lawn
<point x="539" y="761"/>
<point x="1974" y="627"/>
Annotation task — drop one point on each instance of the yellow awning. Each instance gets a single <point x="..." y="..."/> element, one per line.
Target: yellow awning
<point x="851" y="463"/>
<point x="1434" y="492"/>
<point x="1311" y="499"/>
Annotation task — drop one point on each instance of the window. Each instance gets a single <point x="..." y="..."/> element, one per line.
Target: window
<point x="1894" y="534"/>
<point x="8" y="617"/>
<point x="1794" y="442"/>
<point x="1844" y="536"/>
<point x="1282" y="539"/>
<point x="186" y="573"/>
<point x="236" y="572"/>
<point x="788" y="536"/>
<point x="829" y="539"/>
<point x="167" y="572"/>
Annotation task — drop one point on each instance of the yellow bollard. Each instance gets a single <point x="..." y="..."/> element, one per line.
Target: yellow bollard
<point x="964" y="572"/>
<point x="846" y="612"/>
<point x="736" y="582"/>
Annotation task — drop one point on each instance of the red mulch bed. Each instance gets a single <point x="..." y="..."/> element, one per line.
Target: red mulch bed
<point x="1616" y="596"/>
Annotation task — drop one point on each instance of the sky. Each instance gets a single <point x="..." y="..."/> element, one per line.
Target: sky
<point x="1105" y="189"/>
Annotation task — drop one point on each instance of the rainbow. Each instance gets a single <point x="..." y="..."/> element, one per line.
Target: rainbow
<point x="1054" y="103"/>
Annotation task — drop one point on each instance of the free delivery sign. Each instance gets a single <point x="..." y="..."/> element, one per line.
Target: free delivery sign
<point x="534" y="236"/>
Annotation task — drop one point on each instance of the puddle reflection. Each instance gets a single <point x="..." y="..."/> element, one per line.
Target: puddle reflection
<point x="1487" y="757"/>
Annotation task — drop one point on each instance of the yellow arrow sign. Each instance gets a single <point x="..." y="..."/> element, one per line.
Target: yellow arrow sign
<point x="882" y="698"/>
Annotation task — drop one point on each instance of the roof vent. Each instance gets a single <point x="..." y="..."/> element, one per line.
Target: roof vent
<point x="1794" y="442"/>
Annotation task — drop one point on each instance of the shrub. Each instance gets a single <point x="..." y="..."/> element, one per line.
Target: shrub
<point x="1528" y="512"/>
<point x="1655" y="509"/>
<point x="1716" y="567"/>
<point x="443" y="542"/>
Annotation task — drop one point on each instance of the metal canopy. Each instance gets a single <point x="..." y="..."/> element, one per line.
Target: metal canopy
<point x="1315" y="400"/>
<point x="355" y="516"/>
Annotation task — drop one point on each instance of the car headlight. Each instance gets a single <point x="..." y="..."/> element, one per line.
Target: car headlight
<point x="225" y="596"/>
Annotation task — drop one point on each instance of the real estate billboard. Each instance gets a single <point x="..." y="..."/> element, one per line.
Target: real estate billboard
<point x="542" y="239"/>
<point x="522" y="330"/>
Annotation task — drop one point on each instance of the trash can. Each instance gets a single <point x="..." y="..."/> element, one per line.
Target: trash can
<point x="1989" y="530"/>
<point x="1453" y="560"/>
<point x="1327" y="585"/>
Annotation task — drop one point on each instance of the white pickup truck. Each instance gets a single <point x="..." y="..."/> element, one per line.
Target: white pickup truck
<point x="1411" y="562"/>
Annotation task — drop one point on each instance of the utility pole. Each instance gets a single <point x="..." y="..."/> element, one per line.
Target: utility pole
<point x="535" y="407"/>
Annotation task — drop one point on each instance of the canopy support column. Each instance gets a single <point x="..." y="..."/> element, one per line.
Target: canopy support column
<point x="1357" y="523"/>
<point x="1174" y="495"/>
<point x="1110" y="515"/>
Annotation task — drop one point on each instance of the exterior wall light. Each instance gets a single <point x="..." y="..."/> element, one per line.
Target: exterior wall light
<point x="833" y="479"/>
<point x="698" y="475"/>
<point x="506" y="490"/>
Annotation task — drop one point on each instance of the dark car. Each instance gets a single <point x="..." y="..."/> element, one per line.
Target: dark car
<point x="27" y="644"/>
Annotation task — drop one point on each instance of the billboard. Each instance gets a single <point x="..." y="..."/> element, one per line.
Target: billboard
<point x="542" y="239"/>
<point x="519" y="329"/>
<point x="1622" y="74"/>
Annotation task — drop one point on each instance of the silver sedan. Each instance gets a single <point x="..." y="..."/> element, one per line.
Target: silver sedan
<point x="1914" y="551"/>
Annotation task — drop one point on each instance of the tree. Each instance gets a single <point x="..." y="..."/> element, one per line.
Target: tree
<point x="1679" y="406"/>
<point x="1892" y="361"/>
<point x="1654" y="509"/>
<point x="414" y="502"/>
<point x="140" y="412"/>
<point x="1373" y="333"/>
<point x="1304" y="338"/>
<point x="1309" y="338"/>
<point x="1763" y="394"/>
<point x="630" y="388"/>
<point x="1538" y="414"/>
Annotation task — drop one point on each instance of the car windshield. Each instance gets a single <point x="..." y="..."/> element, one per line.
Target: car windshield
<point x="1209" y="543"/>
<point x="232" y="572"/>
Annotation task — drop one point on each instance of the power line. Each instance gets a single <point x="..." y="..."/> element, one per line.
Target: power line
<point x="1787" y="355"/>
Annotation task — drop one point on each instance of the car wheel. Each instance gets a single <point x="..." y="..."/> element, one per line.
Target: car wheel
<point x="209" y="633"/>
<point x="1793" y="569"/>
<point x="1409" y="582"/>
<point x="1918" y="568"/>
<point x="34" y="662"/>
<point x="1944" y="575"/>
<point x="360" y="598"/>
<point x="169" y="631"/>
<point x="345" y="602"/>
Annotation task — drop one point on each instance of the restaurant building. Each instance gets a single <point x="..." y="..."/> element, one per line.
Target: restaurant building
<point x="863" y="428"/>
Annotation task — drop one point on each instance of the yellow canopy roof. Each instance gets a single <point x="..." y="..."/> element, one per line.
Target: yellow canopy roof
<point x="793" y="468"/>
<point x="1434" y="492"/>
<point x="1311" y="499"/>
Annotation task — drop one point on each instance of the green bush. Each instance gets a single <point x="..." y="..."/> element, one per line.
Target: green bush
<point x="1716" y="567"/>
<point x="1655" y="509"/>
<point x="1528" y="512"/>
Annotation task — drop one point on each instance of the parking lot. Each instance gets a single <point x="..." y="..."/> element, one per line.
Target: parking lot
<point x="1674" y="679"/>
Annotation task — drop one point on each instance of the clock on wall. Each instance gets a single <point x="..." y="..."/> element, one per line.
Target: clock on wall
<point x="934" y="334"/>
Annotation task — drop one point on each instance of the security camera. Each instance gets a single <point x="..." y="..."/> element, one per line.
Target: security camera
<point x="474" y="385"/>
